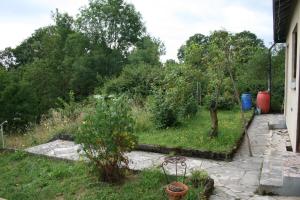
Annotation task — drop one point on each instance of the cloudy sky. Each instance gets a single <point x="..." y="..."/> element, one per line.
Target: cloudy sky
<point x="173" y="21"/>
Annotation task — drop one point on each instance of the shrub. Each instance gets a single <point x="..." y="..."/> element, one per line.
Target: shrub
<point x="163" y="115"/>
<point x="136" y="81"/>
<point x="106" y="134"/>
<point x="174" y="99"/>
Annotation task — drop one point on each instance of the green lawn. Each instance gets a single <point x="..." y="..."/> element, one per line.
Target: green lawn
<point x="28" y="177"/>
<point x="194" y="132"/>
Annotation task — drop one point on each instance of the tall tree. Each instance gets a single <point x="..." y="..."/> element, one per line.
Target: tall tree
<point x="114" y="23"/>
<point x="194" y="49"/>
<point x="147" y="51"/>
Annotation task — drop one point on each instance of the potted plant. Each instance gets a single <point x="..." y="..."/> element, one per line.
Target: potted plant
<point x="176" y="190"/>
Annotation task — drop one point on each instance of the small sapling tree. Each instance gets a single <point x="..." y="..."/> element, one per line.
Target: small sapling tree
<point x="216" y="59"/>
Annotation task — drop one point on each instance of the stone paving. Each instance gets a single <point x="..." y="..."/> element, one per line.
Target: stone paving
<point x="238" y="179"/>
<point x="281" y="168"/>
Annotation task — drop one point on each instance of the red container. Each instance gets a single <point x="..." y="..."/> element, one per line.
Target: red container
<point x="263" y="101"/>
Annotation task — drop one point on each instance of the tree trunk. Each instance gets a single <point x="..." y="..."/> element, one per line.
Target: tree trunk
<point x="214" y="120"/>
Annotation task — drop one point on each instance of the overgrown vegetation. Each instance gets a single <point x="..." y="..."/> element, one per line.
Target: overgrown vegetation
<point x="76" y="54"/>
<point x="40" y="178"/>
<point x="106" y="50"/>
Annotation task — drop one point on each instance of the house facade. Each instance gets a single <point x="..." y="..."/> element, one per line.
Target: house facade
<point x="286" y="30"/>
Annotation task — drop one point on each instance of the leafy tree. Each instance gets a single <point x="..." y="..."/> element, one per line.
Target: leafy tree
<point x="148" y="51"/>
<point x="111" y="22"/>
<point x="252" y="76"/>
<point x="278" y="65"/>
<point x="246" y="44"/>
<point x="18" y="103"/>
<point x="217" y="61"/>
<point x="7" y="58"/>
<point x="193" y="51"/>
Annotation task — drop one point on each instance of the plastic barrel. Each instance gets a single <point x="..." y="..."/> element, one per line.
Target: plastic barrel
<point x="263" y="101"/>
<point x="246" y="101"/>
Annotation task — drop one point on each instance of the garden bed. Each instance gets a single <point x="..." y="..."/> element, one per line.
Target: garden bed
<point x="192" y="139"/>
<point x="24" y="176"/>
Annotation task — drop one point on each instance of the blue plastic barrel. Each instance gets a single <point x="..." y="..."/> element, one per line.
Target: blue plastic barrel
<point x="246" y="101"/>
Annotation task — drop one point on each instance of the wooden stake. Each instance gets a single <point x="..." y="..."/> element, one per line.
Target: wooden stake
<point x="236" y="92"/>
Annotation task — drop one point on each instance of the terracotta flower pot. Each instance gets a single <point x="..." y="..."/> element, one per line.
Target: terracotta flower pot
<point x="176" y="190"/>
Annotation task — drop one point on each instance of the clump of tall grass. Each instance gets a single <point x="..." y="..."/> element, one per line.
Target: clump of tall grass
<point x="64" y="120"/>
<point x="142" y="118"/>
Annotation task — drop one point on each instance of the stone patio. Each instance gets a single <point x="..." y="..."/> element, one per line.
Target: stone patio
<point x="238" y="179"/>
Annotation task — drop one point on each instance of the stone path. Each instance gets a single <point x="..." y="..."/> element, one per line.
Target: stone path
<point x="238" y="179"/>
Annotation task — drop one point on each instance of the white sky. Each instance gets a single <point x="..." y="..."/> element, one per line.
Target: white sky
<point x="173" y="21"/>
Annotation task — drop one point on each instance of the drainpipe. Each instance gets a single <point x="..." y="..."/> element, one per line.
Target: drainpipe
<point x="270" y="73"/>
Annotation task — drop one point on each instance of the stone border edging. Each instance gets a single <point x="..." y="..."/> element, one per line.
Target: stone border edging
<point x="208" y="187"/>
<point x="196" y="152"/>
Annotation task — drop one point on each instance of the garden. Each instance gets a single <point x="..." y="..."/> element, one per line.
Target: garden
<point x="105" y="88"/>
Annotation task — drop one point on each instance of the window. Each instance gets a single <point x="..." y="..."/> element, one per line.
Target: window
<point x="294" y="53"/>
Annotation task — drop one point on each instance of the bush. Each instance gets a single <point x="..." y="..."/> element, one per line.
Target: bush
<point x="106" y="134"/>
<point x="136" y="81"/>
<point x="163" y="115"/>
<point x="174" y="99"/>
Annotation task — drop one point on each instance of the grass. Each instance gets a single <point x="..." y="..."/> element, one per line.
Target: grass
<point x="194" y="133"/>
<point x="25" y="177"/>
<point x="43" y="132"/>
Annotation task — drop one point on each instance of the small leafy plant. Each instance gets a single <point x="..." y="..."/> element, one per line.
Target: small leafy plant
<point x="106" y="134"/>
<point x="198" y="178"/>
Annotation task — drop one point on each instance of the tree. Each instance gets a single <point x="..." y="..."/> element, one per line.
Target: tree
<point x="278" y="82"/>
<point x="111" y="22"/>
<point x="217" y="59"/>
<point x="246" y="44"/>
<point x="147" y="51"/>
<point x="7" y="58"/>
<point x="193" y="51"/>
<point x="17" y="101"/>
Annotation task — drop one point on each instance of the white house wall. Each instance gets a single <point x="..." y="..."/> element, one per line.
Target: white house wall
<point x="291" y="107"/>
